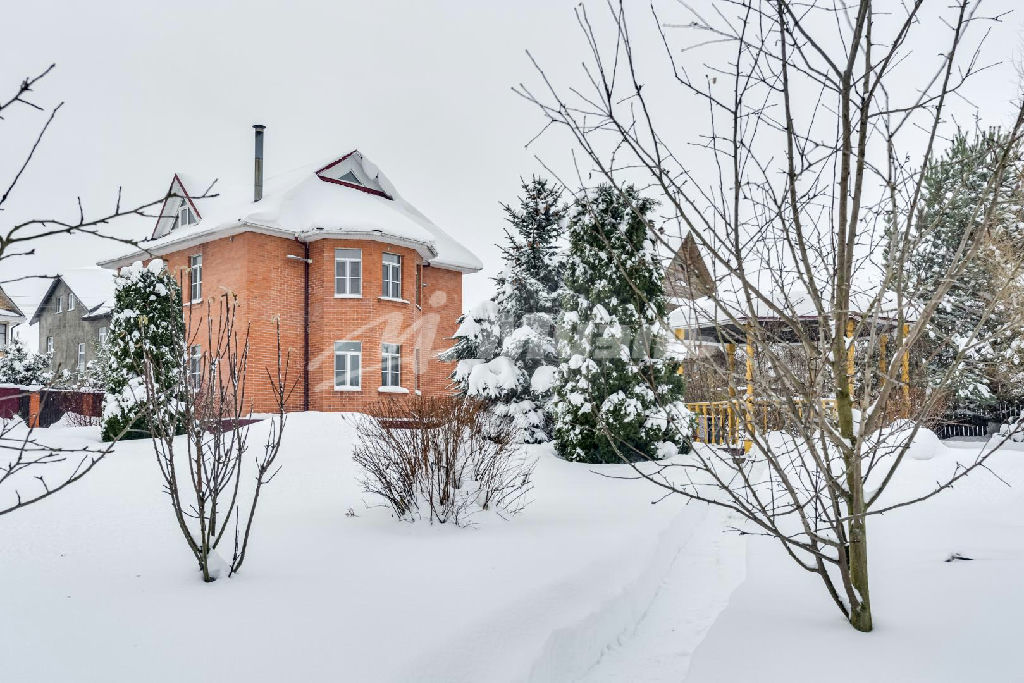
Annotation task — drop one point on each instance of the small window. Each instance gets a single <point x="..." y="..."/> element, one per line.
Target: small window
<point x="348" y="272"/>
<point x="392" y="277"/>
<point x="390" y="365"/>
<point x="416" y="369"/>
<point x="418" y="295"/>
<point x="185" y="215"/>
<point x="3" y="334"/>
<point x="49" y="344"/>
<point x="347" y="361"/>
<point x="81" y="356"/>
<point x="195" y="366"/>
<point x="103" y="335"/>
<point x="71" y="302"/>
<point x="60" y="304"/>
<point x="195" y="278"/>
<point x="350" y="177"/>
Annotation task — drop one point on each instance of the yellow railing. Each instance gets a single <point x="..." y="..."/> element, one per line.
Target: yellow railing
<point x="727" y="423"/>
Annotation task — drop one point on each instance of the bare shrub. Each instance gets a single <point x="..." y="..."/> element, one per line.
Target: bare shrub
<point x="444" y="458"/>
<point x="204" y="471"/>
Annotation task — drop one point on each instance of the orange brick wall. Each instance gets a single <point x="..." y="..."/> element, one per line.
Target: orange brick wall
<point x="269" y="285"/>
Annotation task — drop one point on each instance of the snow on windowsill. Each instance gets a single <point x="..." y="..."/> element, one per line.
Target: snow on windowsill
<point x="348" y="388"/>
<point x="393" y="390"/>
<point x="348" y="296"/>
<point x="391" y="298"/>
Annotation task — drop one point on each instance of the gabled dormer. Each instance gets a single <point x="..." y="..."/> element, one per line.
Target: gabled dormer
<point x="178" y="210"/>
<point x="355" y="171"/>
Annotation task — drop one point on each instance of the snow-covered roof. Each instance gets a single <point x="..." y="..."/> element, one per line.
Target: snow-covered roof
<point x="345" y="197"/>
<point x="9" y="311"/>
<point x="92" y="286"/>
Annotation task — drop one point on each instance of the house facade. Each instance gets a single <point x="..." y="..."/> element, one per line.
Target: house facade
<point x="74" y="316"/>
<point x="10" y="317"/>
<point x="366" y="289"/>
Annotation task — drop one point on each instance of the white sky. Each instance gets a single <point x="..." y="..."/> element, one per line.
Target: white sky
<point x="423" y="88"/>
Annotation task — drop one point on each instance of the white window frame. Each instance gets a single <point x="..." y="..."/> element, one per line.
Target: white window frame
<point x="49" y="344"/>
<point x="390" y="365"/>
<point x="345" y="351"/>
<point x="391" y="276"/>
<point x="195" y="366"/>
<point x="60" y="303"/>
<point x="3" y="334"/>
<point x="81" y="356"/>
<point x="185" y="215"/>
<point x="103" y="335"/>
<point x="195" y="278"/>
<point x="71" y="302"/>
<point x="346" y="284"/>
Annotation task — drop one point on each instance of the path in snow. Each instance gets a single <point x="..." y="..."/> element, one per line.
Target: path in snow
<point x="695" y="590"/>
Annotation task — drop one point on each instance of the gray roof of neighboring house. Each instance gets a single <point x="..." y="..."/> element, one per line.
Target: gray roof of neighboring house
<point x="92" y="286"/>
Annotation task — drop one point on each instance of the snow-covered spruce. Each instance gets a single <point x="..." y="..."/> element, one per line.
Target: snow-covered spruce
<point x="616" y="380"/>
<point x="146" y="321"/>
<point x="987" y="350"/>
<point x="505" y="347"/>
<point x="18" y="366"/>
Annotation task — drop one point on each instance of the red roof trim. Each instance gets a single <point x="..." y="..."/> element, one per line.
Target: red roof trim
<point x="163" y="206"/>
<point x="367" y="190"/>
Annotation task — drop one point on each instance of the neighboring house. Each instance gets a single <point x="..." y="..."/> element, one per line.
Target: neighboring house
<point x="366" y="288"/>
<point x="74" y="316"/>
<point x="10" y="317"/>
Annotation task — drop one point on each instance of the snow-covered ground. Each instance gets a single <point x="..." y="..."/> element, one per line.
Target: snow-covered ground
<point x="99" y="586"/>
<point x="592" y="582"/>
<point x="934" y="620"/>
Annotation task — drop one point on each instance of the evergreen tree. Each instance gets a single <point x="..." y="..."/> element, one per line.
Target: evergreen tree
<point x="951" y="186"/>
<point x="18" y="366"/>
<point x="146" y="322"/>
<point x="505" y="347"/>
<point x="615" y="377"/>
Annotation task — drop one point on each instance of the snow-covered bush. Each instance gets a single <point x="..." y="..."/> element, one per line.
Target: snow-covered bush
<point x="146" y="330"/>
<point x="442" y="458"/>
<point x="18" y="366"/>
<point x="503" y="343"/>
<point x="616" y="391"/>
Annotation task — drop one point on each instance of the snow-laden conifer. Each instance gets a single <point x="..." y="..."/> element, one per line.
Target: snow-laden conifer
<point x="613" y="387"/>
<point x="505" y="347"/>
<point x="146" y="321"/>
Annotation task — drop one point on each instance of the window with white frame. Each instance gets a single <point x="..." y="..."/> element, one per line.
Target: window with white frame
<point x="81" y="356"/>
<point x="195" y="277"/>
<point x="71" y="302"/>
<point x="348" y="358"/>
<point x="49" y="344"/>
<point x="60" y="304"/>
<point x="348" y="272"/>
<point x="390" y="365"/>
<point x="195" y="366"/>
<point x="185" y="215"/>
<point x="3" y="334"/>
<point x="392" y="279"/>
<point x="103" y="335"/>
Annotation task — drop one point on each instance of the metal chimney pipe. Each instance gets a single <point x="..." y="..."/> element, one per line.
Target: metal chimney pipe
<point x="257" y="181"/>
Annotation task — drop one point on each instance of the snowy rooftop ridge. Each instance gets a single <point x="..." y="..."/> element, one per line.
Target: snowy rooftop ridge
<point x="8" y="309"/>
<point x="346" y="196"/>
<point x="92" y="286"/>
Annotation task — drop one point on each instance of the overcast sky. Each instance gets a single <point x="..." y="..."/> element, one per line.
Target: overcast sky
<point x="423" y="88"/>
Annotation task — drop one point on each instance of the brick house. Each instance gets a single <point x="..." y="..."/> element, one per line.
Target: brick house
<point x="366" y="288"/>
<point x="10" y="316"/>
<point x="74" y="315"/>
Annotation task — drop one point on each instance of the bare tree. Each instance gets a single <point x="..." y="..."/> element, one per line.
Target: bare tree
<point x="205" y="471"/>
<point x="30" y="470"/>
<point x="802" y="187"/>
